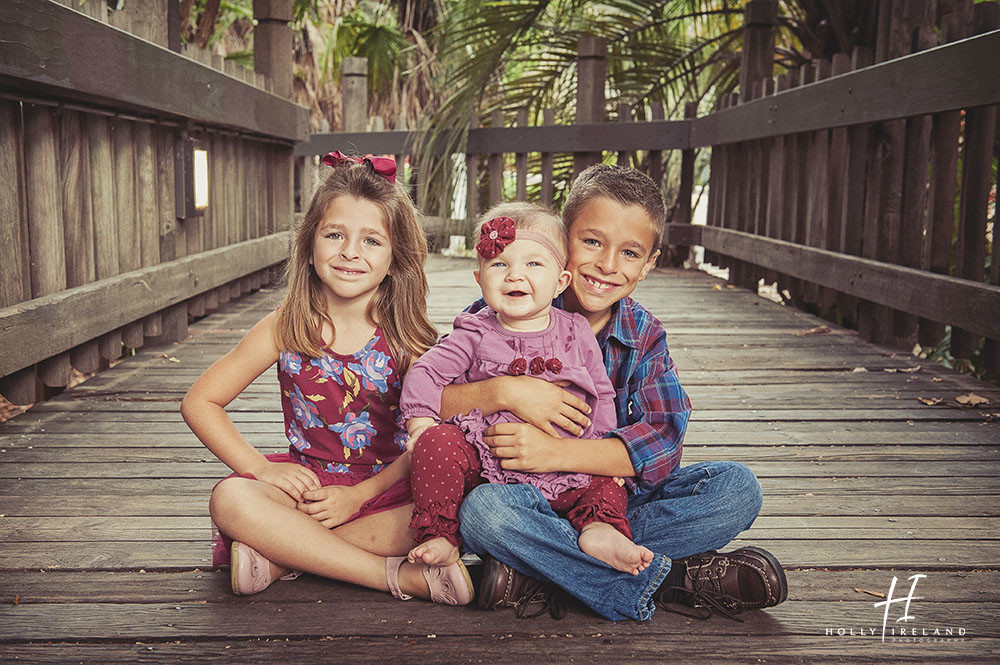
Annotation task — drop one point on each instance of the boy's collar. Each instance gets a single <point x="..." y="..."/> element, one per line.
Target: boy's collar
<point x="616" y="326"/>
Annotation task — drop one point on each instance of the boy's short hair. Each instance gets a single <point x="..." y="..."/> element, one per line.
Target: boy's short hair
<point x="529" y="217"/>
<point x="626" y="185"/>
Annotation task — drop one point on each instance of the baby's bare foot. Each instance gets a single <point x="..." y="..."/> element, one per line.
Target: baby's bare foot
<point x="435" y="552"/>
<point x="605" y="543"/>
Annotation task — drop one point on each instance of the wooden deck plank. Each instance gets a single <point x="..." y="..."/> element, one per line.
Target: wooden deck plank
<point x="862" y="482"/>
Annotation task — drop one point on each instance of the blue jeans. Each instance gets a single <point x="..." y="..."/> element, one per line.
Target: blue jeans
<point x="700" y="507"/>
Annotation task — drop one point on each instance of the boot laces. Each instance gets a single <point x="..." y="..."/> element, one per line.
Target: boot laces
<point x="547" y="597"/>
<point x="706" y="595"/>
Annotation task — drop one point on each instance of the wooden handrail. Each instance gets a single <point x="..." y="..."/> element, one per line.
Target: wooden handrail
<point x="107" y="304"/>
<point x="103" y="65"/>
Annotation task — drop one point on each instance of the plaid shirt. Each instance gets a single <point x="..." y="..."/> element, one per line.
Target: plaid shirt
<point x="652" y="407"/>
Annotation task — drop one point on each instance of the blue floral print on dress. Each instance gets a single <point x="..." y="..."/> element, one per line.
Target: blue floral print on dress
<point x="330" y="368"/>
<point x="400" y="439"/>
<point x="297" y="438"/>
<point x="290" y="362"/>
<point x="374" y="369"/>
<point x="337" y="468"/>
<point x="305" y="411"/>
<point x="356" y="431"/>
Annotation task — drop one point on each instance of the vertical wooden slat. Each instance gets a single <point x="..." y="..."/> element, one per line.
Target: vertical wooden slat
<point x="168" y="223"/>
<point x="591" y="78"/>
<point x="148" y="208"/>
<point x="521" y="161"/>
<point x="991" y="349"/>
<point x="548" y="118"/>
<point x="837" y="174"/>
<point x="775" y="185"/>
<point x="496" y="164"/>
<point x="980" y="132"/>
<point x="655" y="157"/>
<point x="43" y="198"/>
<point x="917" y="137"/>
<point x="680" y="253"/>
<point x="129" y="239"/>
<point x="472" y="181"/>
<point x="78" y="221"/>
<point x="945" y="131"/>
<point x="854" y="205"/>
<point x="624" y="115"/>
<point x="817" y="202"/>
<point x="21" y="387"/>
<point x="15" y="283"/>
<point x="102" y="180"/>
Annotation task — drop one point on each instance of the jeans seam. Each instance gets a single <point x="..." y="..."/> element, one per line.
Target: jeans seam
<point x="656" y="580"/>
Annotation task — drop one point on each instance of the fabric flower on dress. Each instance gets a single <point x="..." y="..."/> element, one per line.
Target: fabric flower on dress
<point x="330" y="368"/>
<point x="374" y="370"/>
<point x="356" y="431"/>
<point x="337" y="468"/>
<point x="296" y="437"/>
<point x="305" y="411"/>
<point x="518" y="367"/>
<point x="495" y="235"/>
<point x="290" y="362"/>
<point x="537" y="365"/>
<point x="554" y="365"/>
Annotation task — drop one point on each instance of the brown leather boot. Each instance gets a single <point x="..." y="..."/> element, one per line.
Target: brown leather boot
<point x="726" y="583"/>
<point x="502" y="586"/>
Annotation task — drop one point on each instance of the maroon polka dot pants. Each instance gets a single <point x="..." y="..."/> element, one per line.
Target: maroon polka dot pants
<point x="445" y="467"/>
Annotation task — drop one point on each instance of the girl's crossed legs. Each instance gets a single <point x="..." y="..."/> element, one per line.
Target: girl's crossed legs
<point x="265" y="517"/>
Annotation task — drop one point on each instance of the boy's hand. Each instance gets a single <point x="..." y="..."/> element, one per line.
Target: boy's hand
<point x="524" y="447"/>
<point x="546" y="405"/>
<point x="293" y="479"/>
<point x="331" y="505"/>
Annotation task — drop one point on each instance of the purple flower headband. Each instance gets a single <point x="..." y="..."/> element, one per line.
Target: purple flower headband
<point x="499" y="232"/>
<point x="384" y="166"/>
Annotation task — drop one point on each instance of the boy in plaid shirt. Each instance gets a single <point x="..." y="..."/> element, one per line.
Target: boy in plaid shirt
<point x="615" y="219"/>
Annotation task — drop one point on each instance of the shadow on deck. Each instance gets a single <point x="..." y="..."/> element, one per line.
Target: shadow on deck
<point x="105" y="531"/>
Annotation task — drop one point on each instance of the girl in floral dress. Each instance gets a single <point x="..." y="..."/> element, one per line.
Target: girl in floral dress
<point x="337" y="504"/>
<point x="522" y="259"/>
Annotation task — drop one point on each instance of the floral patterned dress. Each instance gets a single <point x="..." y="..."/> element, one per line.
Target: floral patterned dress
<point x="342" y="421"/>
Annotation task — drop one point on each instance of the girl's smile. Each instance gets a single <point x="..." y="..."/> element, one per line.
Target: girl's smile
<point x="351" y="250"/>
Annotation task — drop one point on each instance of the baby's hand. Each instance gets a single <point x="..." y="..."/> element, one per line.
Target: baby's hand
<point x="415" y="427"/>
<point x="293" y="479"/>
<point x="332" y="505"/>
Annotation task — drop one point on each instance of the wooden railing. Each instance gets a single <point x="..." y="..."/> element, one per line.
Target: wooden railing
<point x="842" y="190"/>
<point x="95" y="256"/>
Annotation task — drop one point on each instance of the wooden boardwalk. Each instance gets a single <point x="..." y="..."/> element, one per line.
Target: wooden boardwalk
<point x="104" y="528"/>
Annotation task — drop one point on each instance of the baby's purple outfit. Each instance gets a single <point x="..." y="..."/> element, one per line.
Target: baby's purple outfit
<point x="480" y="348"/>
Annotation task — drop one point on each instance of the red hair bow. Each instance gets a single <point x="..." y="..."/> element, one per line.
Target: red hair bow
<point x="494" y="236"/>
<point x="384" y="166"/>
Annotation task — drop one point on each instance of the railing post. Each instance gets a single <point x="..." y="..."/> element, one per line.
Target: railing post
<point x="591" y="72"/>
<point x="679" y="254"/>
<point x="354" y="88"/>
<point x="272" y="43"/>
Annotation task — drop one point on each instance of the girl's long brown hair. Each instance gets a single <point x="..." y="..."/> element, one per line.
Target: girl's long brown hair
<point x="399" y="306"/>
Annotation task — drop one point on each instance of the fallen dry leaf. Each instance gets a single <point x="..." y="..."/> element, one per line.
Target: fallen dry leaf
<point x="937" y="379"/>
<point x="971" y="399"/>
<point x="870" y="593"/>
<point x="911" y="370"/>
<point x="891" y="370"/>
<point x="818" y="330"/>
<point x="929" y="401"/>
<point x="716" y="287"/>
<point x="859" y="369"/>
